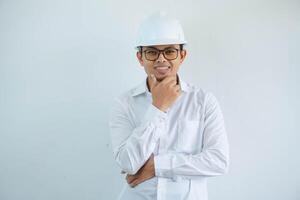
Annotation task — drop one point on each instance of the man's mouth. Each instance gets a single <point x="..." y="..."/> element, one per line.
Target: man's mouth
<point x="162" y="69"/>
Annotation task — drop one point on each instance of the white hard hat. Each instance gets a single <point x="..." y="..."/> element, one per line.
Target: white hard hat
<point x="160" y="29"/>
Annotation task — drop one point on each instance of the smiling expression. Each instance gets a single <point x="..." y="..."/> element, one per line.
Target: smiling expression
<point x="161" y="67"/>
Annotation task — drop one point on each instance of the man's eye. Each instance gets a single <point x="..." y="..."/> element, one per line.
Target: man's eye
<point x="170" y="51"/>
<point x="152" y="52"/>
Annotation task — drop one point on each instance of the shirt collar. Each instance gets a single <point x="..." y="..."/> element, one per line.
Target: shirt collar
<point x="142" y="87"/>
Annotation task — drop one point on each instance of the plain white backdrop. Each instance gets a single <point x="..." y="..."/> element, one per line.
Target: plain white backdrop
<point x="62" y="62"/>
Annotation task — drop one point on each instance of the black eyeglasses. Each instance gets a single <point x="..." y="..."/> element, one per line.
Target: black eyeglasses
<point x="153" y="54"/>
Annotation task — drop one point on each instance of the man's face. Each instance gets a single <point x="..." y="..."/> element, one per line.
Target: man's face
<point x="160" y="66"/>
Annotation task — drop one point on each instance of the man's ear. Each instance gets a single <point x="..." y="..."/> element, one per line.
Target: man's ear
<point x="140" y="58"/>
<point x="182" y="55"/>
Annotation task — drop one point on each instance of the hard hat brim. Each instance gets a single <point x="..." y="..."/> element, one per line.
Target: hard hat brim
<point x="160" y="42"/>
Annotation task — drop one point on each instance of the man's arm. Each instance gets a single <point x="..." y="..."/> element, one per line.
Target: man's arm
<point x="212" y="161"/>
<point x="214" y="158"/>
<point x="132" y="146"/>
<point x="145" y="173"/>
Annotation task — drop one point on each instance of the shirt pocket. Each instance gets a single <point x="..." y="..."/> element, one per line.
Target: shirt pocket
<point x="189" y="134"/>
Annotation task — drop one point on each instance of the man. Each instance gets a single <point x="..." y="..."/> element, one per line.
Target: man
<point x="167" y="136"/>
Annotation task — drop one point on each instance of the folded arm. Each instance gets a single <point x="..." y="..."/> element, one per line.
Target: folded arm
<point x="132" y="146"/>
<point x="213" y="160"/>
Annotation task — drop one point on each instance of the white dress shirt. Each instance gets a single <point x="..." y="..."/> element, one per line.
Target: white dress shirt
<point x="189" y="143"/>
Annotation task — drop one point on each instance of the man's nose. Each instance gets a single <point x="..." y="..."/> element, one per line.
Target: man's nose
<point x="161" y="58"/>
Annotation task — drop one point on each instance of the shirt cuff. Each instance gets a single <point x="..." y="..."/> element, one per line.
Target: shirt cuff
<point x="163" y="165"/>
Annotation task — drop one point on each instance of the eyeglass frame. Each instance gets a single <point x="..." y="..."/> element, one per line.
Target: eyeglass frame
<point x="161" y="51"/>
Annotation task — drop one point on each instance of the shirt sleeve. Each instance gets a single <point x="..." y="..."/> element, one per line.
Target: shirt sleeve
<point x="132" y="146"/>
<point x="213" y="160"/>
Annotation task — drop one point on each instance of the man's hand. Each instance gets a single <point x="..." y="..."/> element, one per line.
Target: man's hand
<point x="145" y="173"/>
<point x="164" y="93"/>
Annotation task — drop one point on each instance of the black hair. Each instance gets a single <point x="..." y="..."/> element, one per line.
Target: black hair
<point x="181" y="47"/>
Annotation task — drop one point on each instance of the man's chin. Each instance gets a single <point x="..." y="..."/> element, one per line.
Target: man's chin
<point x="161" y="78"/>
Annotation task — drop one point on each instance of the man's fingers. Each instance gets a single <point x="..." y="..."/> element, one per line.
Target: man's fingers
<point x="168" y="79"/>
<point x="135" y="183"/>
<point x="152" y="81"/>
<point x="130" y="178"/>
<point x="177" y="88"/>
<point x="139" y="180"/>
<point x="172" y="83"/>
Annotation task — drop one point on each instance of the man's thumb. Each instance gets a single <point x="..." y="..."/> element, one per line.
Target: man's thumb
<point x="153" y="79"/>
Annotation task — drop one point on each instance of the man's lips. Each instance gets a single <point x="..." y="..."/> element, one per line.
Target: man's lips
<point x="163" y="66"/>
<point x="162" y="69"/>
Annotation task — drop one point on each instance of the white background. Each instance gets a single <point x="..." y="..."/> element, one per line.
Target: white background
<point x="62" y="62"/>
